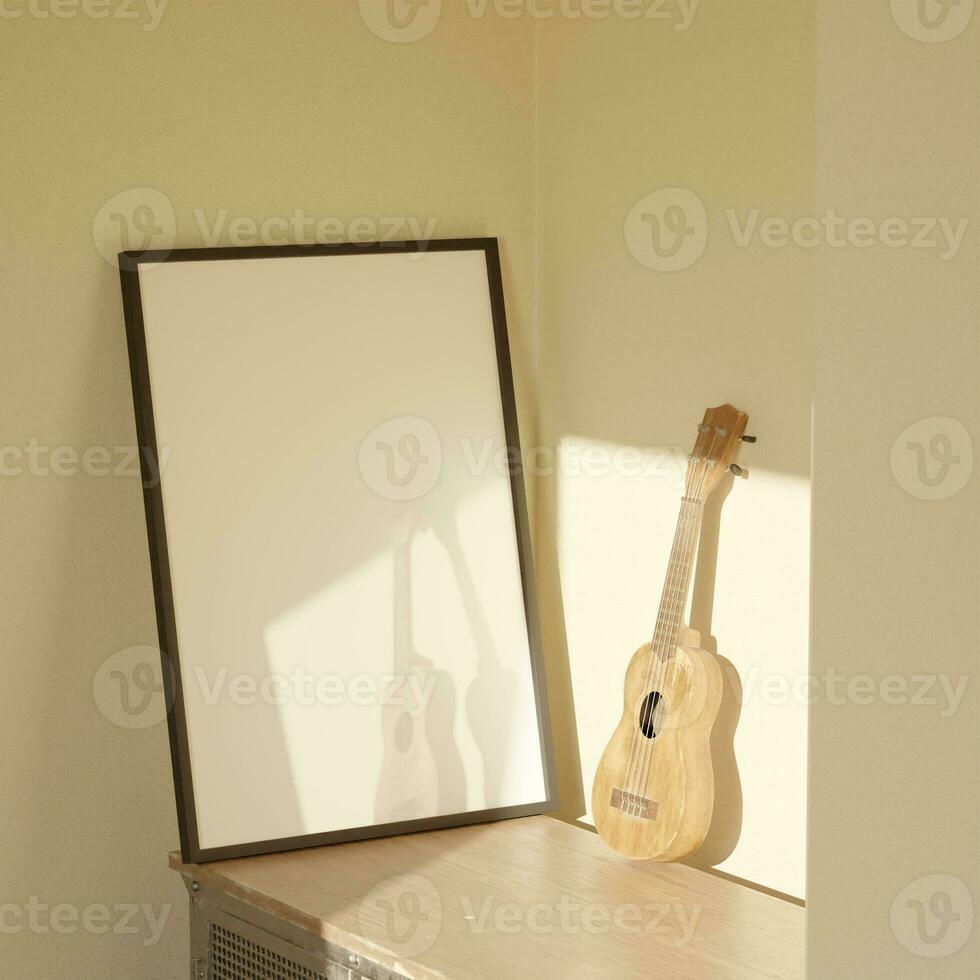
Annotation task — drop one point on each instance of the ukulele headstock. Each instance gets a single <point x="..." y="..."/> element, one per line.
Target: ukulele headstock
<point x="714" y="450"/>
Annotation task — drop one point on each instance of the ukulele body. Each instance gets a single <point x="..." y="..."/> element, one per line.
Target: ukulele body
<point x="653" y="796"/>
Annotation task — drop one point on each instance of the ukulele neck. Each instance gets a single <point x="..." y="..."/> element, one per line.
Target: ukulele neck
<point x="714" y="450"/>
<point x="673" y="600"/>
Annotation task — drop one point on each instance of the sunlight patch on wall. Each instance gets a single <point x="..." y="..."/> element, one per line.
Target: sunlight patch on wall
<point x="616" y="521"/>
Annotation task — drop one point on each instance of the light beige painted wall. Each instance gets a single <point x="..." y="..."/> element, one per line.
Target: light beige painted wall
<point x="895" y="788"/>
<point x="260" y="108"/>
<point x="631" y="356"/>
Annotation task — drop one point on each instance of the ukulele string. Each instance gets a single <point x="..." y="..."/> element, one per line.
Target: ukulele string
<point x="669" y="652"/>
<point x="673" y="606"/>
<point x="638" y="738"/>
<point x="658" y="643"/>
<point x="695" y="524"/>
<point x="637" y="742"/>
<point x="668" y="639"/>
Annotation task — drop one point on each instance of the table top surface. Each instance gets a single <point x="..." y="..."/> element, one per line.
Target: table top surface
<point x="532" y="897"/>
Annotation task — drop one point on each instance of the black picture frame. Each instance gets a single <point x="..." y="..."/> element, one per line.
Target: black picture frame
<point x="129" y="264"/>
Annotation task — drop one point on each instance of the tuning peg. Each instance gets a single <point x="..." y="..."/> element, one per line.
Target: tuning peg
<point x="737" y="470"/>
<point x="747" y="438"/>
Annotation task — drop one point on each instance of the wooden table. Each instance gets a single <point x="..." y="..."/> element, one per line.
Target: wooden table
<point x="532" y="898"/>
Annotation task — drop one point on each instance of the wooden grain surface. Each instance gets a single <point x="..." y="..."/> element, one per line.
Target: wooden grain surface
<point x="530" y="898"/>
<point x="674" y="770"/>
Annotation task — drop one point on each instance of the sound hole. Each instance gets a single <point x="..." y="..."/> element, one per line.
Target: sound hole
<point x="650" y="716"/>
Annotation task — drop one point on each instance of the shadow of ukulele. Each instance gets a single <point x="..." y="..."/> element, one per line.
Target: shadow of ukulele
<point x="726" y="820"/>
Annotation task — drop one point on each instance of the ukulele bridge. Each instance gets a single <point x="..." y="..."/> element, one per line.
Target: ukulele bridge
<point x="634" y="804"/>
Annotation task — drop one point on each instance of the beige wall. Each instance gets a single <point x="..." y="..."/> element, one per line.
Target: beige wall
<point x="631" y="356"/>
<point x="894" y="787"/>
<point x="547" y="142"/>
<point x="260" y="108"/>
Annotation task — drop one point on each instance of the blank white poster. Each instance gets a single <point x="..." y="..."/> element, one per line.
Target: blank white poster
<point x="352" y="635"/>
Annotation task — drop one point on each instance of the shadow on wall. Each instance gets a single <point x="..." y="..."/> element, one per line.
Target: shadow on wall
<point x="726" y="820"/>
<point x="561" y="691"/>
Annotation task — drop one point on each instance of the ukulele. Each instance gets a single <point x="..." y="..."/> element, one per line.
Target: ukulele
<point x="654" y="789"/>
